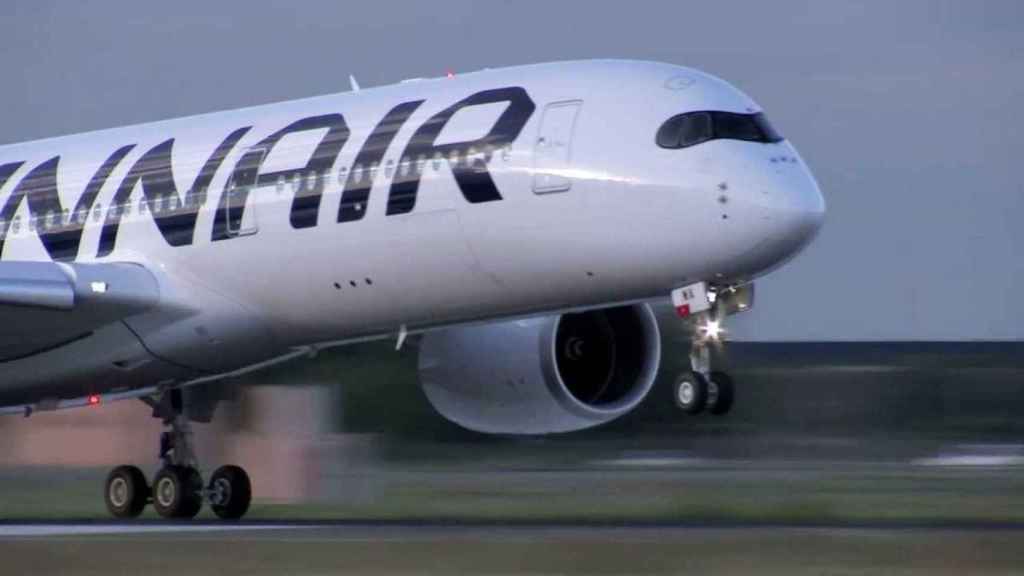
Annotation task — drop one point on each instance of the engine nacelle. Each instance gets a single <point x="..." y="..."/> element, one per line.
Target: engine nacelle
<point x="542" y="375"/>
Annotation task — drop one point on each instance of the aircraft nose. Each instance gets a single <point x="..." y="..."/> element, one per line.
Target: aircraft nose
<point x="792" y="211"/>
<point x="799" y="211"/>
<point x="774" y="211"/>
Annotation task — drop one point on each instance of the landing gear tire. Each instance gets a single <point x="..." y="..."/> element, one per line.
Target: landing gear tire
<point x="691" y="392"/>
<point x="720" y="393"/>
<point x="126" y="492"/>
<point x="230" y="492"/>
<point x="177" y="492"/>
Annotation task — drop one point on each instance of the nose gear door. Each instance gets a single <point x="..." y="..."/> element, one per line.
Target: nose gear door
<point x="552" y="152"/>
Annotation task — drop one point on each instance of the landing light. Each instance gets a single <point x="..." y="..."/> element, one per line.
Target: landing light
<point x="712" y="329"/>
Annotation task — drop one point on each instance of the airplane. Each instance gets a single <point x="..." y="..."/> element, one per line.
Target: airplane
<point x="519" y="222"/>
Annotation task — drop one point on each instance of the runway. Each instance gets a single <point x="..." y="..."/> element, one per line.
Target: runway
<point x="426" y="530"/>
<point x="715" y="508"/>
<point x="422" y="547"/>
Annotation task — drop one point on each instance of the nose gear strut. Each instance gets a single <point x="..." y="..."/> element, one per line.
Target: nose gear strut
<point x="703" y="309"/>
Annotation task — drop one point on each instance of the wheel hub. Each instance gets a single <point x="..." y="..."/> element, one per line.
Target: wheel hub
<point x="712" y="393"/>
<point x="686" y="393"/>
<point x="166" y="492"/>
<point x="221" y="492"/>
<point x="118" y="492"/>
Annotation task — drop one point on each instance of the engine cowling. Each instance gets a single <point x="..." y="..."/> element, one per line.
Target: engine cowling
<point x="542" y="375"/>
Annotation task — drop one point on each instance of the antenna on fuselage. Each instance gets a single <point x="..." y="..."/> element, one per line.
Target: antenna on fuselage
<point x="352" y="81"/>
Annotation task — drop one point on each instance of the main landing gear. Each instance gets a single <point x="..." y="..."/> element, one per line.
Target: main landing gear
<point x="701" y="388"/>
<point x="177" y="491"/>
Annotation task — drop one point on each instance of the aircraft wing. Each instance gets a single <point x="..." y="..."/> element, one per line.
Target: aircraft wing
<point x="44" y="305"/>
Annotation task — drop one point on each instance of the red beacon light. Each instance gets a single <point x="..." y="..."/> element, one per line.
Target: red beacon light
<point x="94" y="399"/>
<point x="450" y="74"/>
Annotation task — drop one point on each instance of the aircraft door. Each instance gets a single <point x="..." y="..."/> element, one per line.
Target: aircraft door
<point x="552" y="153"/>
<point x="241" y="205"/>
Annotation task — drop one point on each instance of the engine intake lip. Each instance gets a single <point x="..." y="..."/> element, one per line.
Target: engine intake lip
<point x="603" y="362"/>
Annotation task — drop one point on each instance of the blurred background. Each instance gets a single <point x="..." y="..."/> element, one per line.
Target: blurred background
<point x="821" y="431"/>
<point x="879" y="374"/>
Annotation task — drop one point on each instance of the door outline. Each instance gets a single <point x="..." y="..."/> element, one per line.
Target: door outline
<point x="240" y="191"/>
<point x="552" y="151"/>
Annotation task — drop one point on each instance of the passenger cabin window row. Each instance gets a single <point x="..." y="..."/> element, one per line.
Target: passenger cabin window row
<point x="407" y="169"/>
<point x="171" y="204"/>
<point x="694" y="128"/>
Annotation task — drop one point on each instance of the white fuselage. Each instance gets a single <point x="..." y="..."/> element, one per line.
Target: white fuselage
<point x="543" y="191"/>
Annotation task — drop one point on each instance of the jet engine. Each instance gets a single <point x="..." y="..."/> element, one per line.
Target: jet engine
<point x="542" y="375"/>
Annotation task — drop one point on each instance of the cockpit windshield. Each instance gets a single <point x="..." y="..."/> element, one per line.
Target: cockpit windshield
<point x="696" y="127"/>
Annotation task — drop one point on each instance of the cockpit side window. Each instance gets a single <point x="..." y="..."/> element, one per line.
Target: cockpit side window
<point x="737" y="127"/>
<point x="767" y="129"/>
<point x="694" y="128"/>
<point x="685" y="130"/>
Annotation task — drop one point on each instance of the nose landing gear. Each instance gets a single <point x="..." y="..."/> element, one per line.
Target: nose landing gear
<point x="701" y="388"/>
<point x="177" y="491"/>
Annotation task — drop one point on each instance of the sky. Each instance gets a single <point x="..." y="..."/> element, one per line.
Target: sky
<point x="909" y="114"/>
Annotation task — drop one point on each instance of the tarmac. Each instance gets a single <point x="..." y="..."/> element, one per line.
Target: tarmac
<point x="396" y="547"/>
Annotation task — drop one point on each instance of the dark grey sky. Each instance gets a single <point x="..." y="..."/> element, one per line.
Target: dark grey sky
<point x="909" y="113"/>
